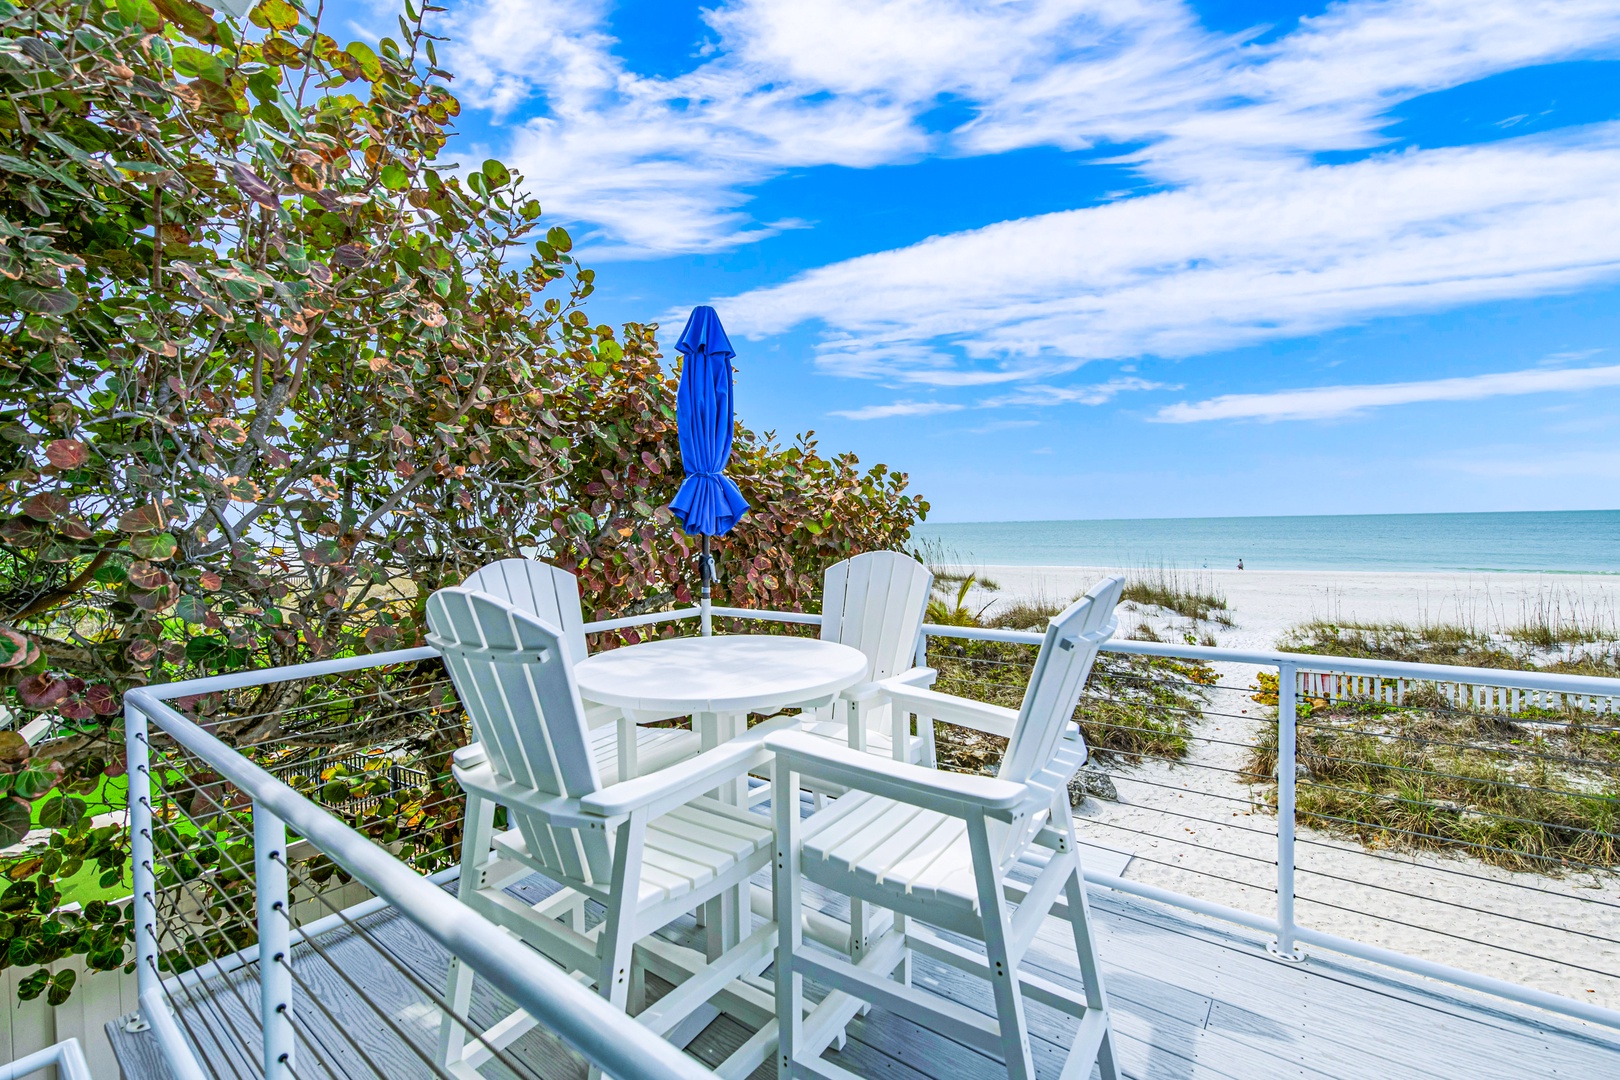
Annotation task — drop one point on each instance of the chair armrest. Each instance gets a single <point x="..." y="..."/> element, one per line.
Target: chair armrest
<point x="951" y="793"/>
<point x="963" y="712"/>
<point x="479" y="777"/>
<point x="684" y="781"/>
<point x="866" y="691"/>
<point x="468" y="756"/>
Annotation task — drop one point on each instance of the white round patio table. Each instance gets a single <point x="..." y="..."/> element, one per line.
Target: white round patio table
<point x="730" y="675"/>
<point x="718" y="681"/>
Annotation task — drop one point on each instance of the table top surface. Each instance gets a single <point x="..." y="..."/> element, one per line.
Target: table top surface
<point x="726" y="674"/>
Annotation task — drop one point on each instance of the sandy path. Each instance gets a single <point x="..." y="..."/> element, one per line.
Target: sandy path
<point x="1195" y="827"/>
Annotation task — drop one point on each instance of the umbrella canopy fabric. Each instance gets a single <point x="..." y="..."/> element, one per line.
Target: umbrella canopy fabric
<point x="708" y="503"/>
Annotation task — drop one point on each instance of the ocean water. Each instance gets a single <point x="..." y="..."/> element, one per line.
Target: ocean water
<point x="1580" y="541"/>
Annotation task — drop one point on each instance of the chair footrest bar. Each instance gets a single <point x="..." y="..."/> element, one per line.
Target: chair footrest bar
<point x="920" y="1006"/>
<point x="1045" y="991"/>
<point x="742" y="959"/>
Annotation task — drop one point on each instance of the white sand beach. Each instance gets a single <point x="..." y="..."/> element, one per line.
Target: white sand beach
<point x="1265" y="603"/>
<point x="1195" y="828"/>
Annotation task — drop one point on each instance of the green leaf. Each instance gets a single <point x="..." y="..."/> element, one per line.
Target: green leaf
<point x="274" y="15"/>
<point x="61" y="987"/>
<point x="142" y="13"/>
<point x="193" y="609"/>
<point x="370" y="67"/>
<point x="157" y="547"/>
<point x="43" y="301"/>
<point x="558" y="237"/>
<point x="394" y="176"/>
<point x="15" y="820"/>
<point x="191" y="18"/>
<point x="32" y="782"/>
<point x="206" y="650"/>
<point x="496" y="173"/>
<point x="62" y="812"/>
<point x="193" y="62"/>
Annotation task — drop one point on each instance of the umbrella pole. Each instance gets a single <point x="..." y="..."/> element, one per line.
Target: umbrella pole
<point x="706" y="569"/>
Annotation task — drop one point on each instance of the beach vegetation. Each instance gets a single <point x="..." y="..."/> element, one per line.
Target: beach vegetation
<point x="1134" y="709"/>
<point x="273" y="371"/>
<point x="1169" y="589"/>
<point x="1526" y="782"/>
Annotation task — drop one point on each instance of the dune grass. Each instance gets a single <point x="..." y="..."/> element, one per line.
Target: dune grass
<point x="1166" y="588"/>
<point x="1134" y="707"/>
<point x="1534" y="790"/>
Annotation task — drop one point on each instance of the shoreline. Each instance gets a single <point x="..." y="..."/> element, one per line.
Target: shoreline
<point x="1265" y="604"/>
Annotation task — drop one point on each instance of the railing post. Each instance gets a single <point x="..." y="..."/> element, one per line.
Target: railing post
<point x="137" y="767"/>
<point x="275" y="933"/>
<point x="1285" y="947"/>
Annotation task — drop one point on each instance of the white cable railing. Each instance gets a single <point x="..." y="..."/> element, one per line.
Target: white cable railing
<point x="603" y="1035"/>
<point x="621" y="1046"/>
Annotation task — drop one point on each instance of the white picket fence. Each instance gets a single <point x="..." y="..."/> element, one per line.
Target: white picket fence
<point x="1509" y="700"/>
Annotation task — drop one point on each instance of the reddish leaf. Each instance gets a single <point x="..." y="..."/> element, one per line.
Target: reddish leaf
<point x="253" y="186"/>
<point x="102" y="699"/>
<point x="141" y="651"/>
<point x="41" y="691"/>
<point x="142" y="519"/>
<point x="46" y="506"/>
<point x="14" y="749"/>
<point x="210" y="580"/>
<point x="349" y="255"/>
<point x="143" y="575"/>
<point x="75" y="710"/>
<point x="67" y="453"/>
<point x="76" y="529"/>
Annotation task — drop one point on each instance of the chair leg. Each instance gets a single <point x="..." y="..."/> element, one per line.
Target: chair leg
<point x="477" y="827"/>
<point x="787" y="907"/>
<point x="1003" y="972"/>
<point x="1085" y="950"/>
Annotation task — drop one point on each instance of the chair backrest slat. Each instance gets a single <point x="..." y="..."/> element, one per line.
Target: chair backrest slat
<point x="515" y="676"/>
<point x="1059" y="677"/>
<point x="547" y="592"/>
<point x="875" y="602"/>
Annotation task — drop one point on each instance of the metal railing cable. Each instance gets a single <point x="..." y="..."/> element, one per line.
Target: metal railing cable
<point x="1364" y="883"/>
<point x="341" y="1026"/>
<point x="604" y="1035"/>
<point x="432" y="994"/>
<point x="1340" y="847"/>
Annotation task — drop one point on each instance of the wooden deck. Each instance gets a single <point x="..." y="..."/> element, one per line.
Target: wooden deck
<point x="1191" y="998"/>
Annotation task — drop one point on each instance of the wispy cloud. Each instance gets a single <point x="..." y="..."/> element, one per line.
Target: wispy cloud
<point x="1325" y="402"/>
<point x="1094" y="394"/>
<point x="661" y="165"/>
<point x="1222" y="264"/>
<point x="897" y="408"/>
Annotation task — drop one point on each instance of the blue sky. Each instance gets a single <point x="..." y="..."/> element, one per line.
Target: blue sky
<point x="1104" y="258"/>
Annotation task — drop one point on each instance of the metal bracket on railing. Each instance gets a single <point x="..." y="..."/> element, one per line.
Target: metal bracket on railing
<point x="134" y="1023"/>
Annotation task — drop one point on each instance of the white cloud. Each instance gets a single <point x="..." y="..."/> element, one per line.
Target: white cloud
<point x="1288" y="251"/>
<point x="897" y="408"/>
<point x="1095" y="394"/>
<point x="661" y="165"/>
<point x="1323" y="402"/>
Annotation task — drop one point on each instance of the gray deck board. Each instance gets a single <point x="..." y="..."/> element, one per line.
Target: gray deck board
<point x="1192" y="1000"/>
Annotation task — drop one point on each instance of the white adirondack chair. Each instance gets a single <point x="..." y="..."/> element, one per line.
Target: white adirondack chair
<point x="647" y="849"/>
<point x="935" y="848"/>
<point x="875" y="602"/>
<point x="551" y="594"/>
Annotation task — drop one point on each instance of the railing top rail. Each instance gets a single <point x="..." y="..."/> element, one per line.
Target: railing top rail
<point x="1595" y="685"/>
<point x="608" y="1037"/>
<point x="1525" y="680"/>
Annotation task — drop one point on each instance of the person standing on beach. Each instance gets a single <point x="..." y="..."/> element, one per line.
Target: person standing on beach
<point x="1240" y="564"/>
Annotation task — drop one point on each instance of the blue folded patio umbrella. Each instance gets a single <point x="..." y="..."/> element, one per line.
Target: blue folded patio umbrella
<point x="708" y="503"/>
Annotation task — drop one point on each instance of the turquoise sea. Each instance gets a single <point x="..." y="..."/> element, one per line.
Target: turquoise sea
<point x="1577" y="541"/>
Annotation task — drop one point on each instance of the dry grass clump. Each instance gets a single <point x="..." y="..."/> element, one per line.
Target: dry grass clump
<point x="1534" y="789"/>
<point x="1484" y="786"/>
<point x="1134" y="707"/>
<point x="1164" y="588"/>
